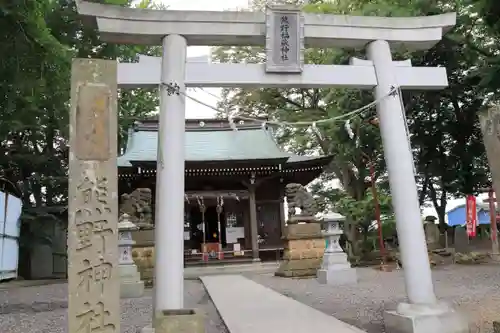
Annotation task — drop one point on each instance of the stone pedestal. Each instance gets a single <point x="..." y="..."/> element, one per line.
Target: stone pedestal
<point x="130" y="279"/>
<point x="304" y="248"/>
<point x="335" y="269"/>
<point x="177" y="321"/>
<point x="435" y="318"/>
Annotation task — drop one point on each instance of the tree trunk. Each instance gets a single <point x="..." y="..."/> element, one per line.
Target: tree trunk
<point x="352" y="235"/>
<point x="439" y="205"/>
<point x="442" y="219"/>
<point x="423" y="192"/>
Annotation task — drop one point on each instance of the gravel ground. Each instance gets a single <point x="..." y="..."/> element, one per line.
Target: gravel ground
<point x="474" y="290"/>
<point x="43" y="309"/>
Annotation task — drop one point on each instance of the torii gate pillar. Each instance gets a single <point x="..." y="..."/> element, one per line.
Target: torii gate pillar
<point x="422" y="313"/>
<point x="400" y="167"/>
<point x="169" y="235"/>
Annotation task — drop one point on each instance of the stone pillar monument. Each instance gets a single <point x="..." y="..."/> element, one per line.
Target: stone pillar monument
<point x="93" y="280"/>
<point x="304" y="241"/>
<point x="336" y="269"/>
<point x="490" y="127"/>
<point x="130" y="279"/>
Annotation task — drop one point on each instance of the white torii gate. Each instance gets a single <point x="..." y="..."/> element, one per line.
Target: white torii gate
<point x="285" y="31"/>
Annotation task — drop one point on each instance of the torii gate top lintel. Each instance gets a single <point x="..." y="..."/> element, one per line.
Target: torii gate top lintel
<point x="231" y="28"/>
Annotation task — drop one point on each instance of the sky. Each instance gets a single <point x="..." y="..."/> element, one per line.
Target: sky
<point x="195" y="110"/>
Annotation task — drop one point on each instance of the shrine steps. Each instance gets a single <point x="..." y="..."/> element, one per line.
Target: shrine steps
<point x="215" y="262"/>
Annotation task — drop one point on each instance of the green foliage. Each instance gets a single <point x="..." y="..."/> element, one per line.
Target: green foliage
<point x="363" y="210"/>
<point x="445" y="134"/>
<point x="447" y="141"/>
<point x="39" y="39"/>
<point x="294" y="105"/>
<point x="351" y="156"/>
<point x="361" y="219"/>
<point x="488" y="12"/>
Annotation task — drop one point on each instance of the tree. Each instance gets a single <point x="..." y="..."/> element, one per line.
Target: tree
<point x="34" y="123"/>
<point x="42" y="37"/>
<point x="447" y="139"/>
<point x="487" y="18"/>
<point x="351" y="155"/>
<point x="445" y="135"/>
<point x="33" y="96"/>
<point x="362" y="211"/>
<point x="134" y="104"/>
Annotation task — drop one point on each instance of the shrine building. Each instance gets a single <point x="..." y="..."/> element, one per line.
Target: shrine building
<point x="235" y="181"/>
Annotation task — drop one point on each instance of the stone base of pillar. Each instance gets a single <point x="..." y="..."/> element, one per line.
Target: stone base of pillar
<point x="131" y="289"/>
<point x="495" y="257"/>
<point x="440" y="318"/>
<point x="131" y="285"/>
<point x="304" y="248"/>
<point x="177" y="321"/>
<point x="336" y="270"/>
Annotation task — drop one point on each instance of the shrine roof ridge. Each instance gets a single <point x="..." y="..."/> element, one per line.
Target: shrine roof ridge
<point x="204" y="124"/>
<point x="146" y="26"/>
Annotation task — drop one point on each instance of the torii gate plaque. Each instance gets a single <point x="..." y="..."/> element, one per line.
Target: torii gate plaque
<point x="175" y="30"/>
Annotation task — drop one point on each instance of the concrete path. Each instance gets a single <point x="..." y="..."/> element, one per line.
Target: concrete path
<point x="248" y="307"/>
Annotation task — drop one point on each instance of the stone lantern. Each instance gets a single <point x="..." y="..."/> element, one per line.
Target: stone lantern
<point x="335" y="269"/>
<point x="130" y="279"/>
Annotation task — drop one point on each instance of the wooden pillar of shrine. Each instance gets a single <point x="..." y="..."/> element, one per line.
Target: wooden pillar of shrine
<point x="282" y="211"/>
<point x="254" y="232"/>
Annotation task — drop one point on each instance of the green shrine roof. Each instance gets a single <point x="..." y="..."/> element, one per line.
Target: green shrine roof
<point x="209" y="140"/>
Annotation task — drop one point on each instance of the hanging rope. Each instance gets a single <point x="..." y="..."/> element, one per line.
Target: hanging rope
<point x="341" y="118"/>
